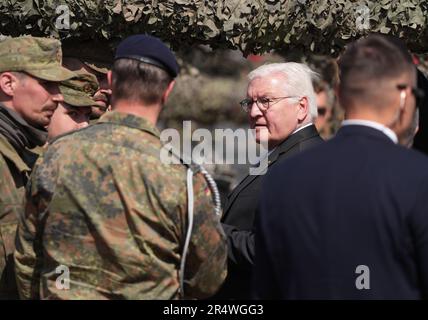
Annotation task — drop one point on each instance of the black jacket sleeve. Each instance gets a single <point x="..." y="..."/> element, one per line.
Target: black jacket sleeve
<point x="240" y="246"/>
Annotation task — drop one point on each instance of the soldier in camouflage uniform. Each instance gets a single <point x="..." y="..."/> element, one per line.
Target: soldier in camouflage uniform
<point x="103" y="206"/>
<point x="95" y="58"/>
<point x="29" y="70"/>
<point x="74" y="112"/>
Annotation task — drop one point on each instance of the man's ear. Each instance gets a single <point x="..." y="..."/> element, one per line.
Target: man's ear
<point x="8" y="83"/>
<point x="303" y="110"/>
<point x="403" y="96"/>
<point x="167" y="92"/>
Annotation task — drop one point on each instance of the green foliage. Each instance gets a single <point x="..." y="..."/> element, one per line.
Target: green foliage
<point x="252" y="26"/>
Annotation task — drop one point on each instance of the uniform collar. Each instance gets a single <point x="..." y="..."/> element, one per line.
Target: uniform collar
<point x="129" y="120"/>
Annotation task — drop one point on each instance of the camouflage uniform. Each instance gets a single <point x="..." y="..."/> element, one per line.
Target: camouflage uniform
<point x="116" y="216"/>
<point x="96" y="56"/>
<point x="40" y="58"/>
<point x="77" y="92"/>
<point x="13" y="172"/>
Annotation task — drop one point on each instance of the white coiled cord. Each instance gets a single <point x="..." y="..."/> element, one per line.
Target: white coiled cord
<point x="213" y="186"/>
<point x="190" y="206"/>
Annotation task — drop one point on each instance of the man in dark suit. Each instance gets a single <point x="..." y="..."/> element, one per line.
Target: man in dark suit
<point x="281" y="105"/>
<point x="349" y="219"/>
<point x="421" y="138"/>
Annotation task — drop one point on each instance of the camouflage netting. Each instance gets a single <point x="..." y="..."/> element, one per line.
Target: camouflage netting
<point x="253" y="26"/>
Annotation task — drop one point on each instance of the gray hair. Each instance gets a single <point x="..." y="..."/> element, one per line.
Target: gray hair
<point x="299" y="80"/>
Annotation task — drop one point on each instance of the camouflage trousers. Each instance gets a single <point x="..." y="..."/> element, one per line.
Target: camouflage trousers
<point x="8" y="289"/>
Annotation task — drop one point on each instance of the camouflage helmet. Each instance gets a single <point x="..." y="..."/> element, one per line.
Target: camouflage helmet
<point x="78" y="91"/>
<point x="39" y="57"/>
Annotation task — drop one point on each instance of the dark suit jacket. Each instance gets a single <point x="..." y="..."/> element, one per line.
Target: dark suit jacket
<point x="346" y="220"/>
<point x="240" y="210"/>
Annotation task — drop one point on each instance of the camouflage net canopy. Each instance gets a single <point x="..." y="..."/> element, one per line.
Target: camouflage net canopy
<point x="252" y="26"/>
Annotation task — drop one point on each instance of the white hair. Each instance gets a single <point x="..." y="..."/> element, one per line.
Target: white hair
<point x="299" y="79"/>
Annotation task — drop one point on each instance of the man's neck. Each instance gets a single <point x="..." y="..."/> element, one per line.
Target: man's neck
<point x="368" y="116"/>
<point x="150" y="113"/>
<point x="8" y="104"/>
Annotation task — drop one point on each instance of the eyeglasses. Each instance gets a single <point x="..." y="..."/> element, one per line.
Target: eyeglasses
<point x="417" y="92"/>
<point x="262" y="103"/>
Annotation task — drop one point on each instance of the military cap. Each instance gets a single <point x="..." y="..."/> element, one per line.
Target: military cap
<point x="78" y="91"/>
<point x="39" y="57"/>
<point x="96" y="55"/>
<point x="97" y="65"/>
<point x="150" y="50"/>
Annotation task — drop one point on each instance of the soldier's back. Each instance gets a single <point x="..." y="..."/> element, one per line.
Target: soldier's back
<point x="124" y="212"/>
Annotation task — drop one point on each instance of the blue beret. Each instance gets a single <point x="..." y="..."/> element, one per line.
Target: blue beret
<point x="149" y="50"/>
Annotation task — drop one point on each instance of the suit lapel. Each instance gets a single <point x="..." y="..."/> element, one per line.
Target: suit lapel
<point x="241" y="186"/>
<point x="282" y="149"/>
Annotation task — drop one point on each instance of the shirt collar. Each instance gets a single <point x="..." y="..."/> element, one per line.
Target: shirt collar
<point x="129" y="120"/>
<point x="295" y="131"/>
<point x="302" y="127"/>
<point x="372" y="124"/>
